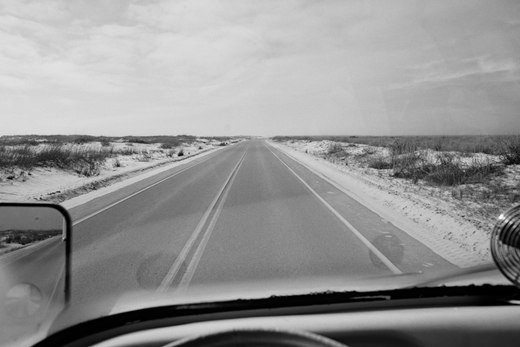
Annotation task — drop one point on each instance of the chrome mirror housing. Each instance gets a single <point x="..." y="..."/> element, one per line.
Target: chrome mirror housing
<point x="505" y="244"/>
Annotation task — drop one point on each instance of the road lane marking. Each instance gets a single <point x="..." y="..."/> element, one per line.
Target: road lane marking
<point x="190" y="271"/>
<point x="360" y="236"/>
<point x="182" y="258"/>
<point x="26" y="251"/>
<point x="139" y="192"/>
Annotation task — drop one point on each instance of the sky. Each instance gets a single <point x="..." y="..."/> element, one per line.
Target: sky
<point x="249" y="67"/>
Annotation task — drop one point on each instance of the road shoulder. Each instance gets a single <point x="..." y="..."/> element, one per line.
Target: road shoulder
<point x="402" y="209"/>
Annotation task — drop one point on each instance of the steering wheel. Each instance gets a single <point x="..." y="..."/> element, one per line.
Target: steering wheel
<point x="257" y="338"/>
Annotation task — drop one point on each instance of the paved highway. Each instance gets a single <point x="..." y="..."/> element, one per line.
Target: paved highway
<point x="247" y="212"/>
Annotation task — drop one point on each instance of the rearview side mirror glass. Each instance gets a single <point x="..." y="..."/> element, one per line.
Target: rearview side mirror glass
<point x="34" y="266"/>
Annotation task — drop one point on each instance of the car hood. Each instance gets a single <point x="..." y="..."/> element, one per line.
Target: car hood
<point x="480" y="275"/>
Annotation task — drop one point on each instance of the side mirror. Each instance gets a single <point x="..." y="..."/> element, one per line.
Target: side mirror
<point x="35" y="246"/>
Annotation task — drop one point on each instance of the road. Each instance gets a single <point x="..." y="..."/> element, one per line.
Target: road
<point x="247" y="212"/>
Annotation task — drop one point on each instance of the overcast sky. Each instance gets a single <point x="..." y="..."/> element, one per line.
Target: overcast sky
<point x="259" y="67"/>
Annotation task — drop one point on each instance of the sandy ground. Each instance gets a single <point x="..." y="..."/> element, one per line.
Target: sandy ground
<point x="52" y="184"/>
<point x="455" y="222"/>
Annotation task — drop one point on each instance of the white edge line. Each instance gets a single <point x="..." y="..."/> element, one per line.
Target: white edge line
<point x="140" y="174"/>
<point x="383" y="215"/>
<point x="367" y="243"/>
<point x="138" y="192"/>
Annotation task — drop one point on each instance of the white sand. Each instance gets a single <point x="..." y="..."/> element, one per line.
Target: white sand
<point x="149" y="159"/>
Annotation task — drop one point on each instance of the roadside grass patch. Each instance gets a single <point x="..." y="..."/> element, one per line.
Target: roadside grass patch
<point x="145" y="156"/>
<point x="403" y="146"/>
<point x="334" y="148"/>
<point x="447" y="170"/>
<point x="24" y="237"/>
<point x="166" y="145"/>
<point x="117" y="163"/>
<point x="411" y="157"/>
<point x="129" y="150"/>
<point x="380" y="163"/>
<point x="510" y="152"/>
<point x="83" y="161"/>
<point x="488" y="144"/>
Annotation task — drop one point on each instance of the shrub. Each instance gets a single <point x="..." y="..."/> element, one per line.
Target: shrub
<point x="137" y="140"/>
<point x="86" y="168"/>
<point x="380" y="164"/>
<point x="22" y="157"/>
<point x="145" y="156"/>
<point x="83" y="139"/>
<point x="334" y="148"/>
<point x="127" y="151"/>
<point x="409" y="165"/>
<point x="402" y="146"/>
<point x="479" y="172"/>
<point x="84" y="161"/>
<point x="181" y="152"/>
<point x="447" y="172"/>
<point x="510" y="152"/>
<point x="165" y="145"/>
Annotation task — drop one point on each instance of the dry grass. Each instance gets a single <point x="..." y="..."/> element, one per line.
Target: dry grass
<point x="510" y="150"/>
<point x="488" y="144"/>
<point x="24" y="237"/>
<point x="481" y="184"/>
<point x="75" y="153"/>
<point x="447" y="170"/>
<point x="84" y="161"/>
<point x="408" y="158"/>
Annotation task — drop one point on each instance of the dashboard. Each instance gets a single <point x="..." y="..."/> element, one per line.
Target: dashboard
<point x="408" y="323"/>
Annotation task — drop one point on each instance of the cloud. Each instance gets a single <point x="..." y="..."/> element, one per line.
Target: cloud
<point x="40" y="11"/>
<point x="41" y="55"/>
<point x="265" y="63"/>
<point x="485" y="68"/>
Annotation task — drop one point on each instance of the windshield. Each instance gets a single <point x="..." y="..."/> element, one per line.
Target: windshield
<point x="209" y="149"/>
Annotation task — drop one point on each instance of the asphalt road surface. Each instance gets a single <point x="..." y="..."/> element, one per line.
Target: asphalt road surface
<point x="247" y="212"/>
